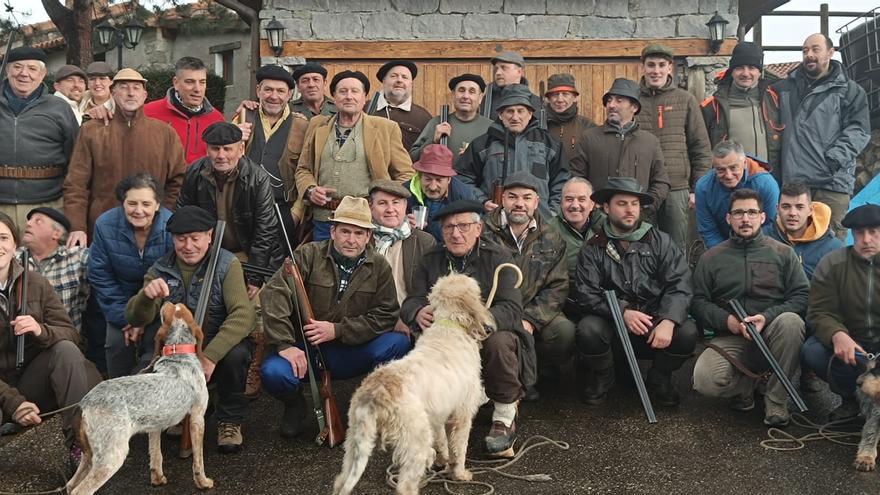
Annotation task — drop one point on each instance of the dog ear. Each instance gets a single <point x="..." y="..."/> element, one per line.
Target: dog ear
<point x="196" y="330"/>
<point x="166" y="316"/>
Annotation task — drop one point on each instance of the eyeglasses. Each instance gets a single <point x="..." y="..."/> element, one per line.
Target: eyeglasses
<point x="742" y="213"/>
<point x="464" y="228"/>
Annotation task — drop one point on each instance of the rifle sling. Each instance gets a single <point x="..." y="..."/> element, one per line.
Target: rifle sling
<point x="739" y="364"/>
<point x="313" y="384"/>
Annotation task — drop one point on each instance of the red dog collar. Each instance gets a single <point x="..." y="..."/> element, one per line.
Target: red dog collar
<point x="169" y="350"/>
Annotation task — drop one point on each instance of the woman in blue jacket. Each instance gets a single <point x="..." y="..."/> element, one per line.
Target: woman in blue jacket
<point x="127" y="240"/>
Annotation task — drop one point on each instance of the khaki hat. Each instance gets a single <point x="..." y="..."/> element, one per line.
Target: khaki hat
<point x="353" y="211"/>
<point x="129" y="75"/>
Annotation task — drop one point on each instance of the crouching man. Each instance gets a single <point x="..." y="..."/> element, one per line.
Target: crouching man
<point x="177" y="277"/>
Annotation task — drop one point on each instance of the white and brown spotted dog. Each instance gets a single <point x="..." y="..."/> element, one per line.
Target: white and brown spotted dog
<point x="868" y="393"/>
<point x="423" y="403"/>
<point x="149" y="403"/>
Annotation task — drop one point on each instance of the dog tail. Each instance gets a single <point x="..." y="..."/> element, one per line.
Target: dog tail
<point x="359" y="445"/>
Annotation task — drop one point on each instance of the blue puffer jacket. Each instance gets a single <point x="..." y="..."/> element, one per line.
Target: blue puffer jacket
<point x="817" y="241"/>
<point x="713" y="201"/>
<point x="116" y="269"/>
<point x="457" y="190"/>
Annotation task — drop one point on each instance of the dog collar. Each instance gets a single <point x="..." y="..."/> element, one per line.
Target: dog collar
<point x="170" y="350"/>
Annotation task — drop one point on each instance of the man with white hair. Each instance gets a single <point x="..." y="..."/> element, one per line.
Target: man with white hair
<point x="41" y="131"/>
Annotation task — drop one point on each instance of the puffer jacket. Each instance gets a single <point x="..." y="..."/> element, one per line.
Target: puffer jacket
<point x="763" y="274"/>
<point x="826" y="126"/>
<point x="189" y="129"/>
<point x="713" y="201"/>
<point x="673" y="115"/>
<point x="652" y="276"/>
<point x="43" y="304"/>
<point x="543" y="265"/>
<point x="533" y="151"/>
<point x="41" y="135"/>
<point x="844" y="297"/>
<point x="608" y="151"/>
<point x="253" y="221"/>
<point x="817" y="241"/>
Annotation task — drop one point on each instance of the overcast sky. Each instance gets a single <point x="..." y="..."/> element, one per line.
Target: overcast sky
<point x="777" y="30"/>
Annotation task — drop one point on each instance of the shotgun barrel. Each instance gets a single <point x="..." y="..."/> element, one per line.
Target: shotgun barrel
<point x="623" y="335"/>
<point x="374" y="103"/>
<point x="23" y="309"/>
<point x="444" y="118"/>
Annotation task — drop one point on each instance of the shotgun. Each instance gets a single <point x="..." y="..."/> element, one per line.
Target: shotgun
<point x="542" y="111"/>
<point x="623" y="335"/>
<point x="487" y="103"/>
<point x="374" y="103"/>
<point x="22" y="309"/>
<point x="444" y="118"/>
<point x="199" y="317"/>
<point x="331" y="429"/>
<point x="498" y="188"/>
<point x="740" y="313"/>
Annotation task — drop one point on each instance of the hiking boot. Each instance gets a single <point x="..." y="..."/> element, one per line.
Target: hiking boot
<point x="811" y="384"/>
<point x="293" y="418"/>
<point x="500" y="440"/>
<point x="596" y="391"/>
<point x="659" y="384"/>
<point x="848" y="409"/>
<point x="532" y="394"/>
<point x="254" y="383"/>
<point x="74" y="458"/>
<point x="743" y="403"/>
<point x="776" y="415"/>
<point x="229" y="438"/>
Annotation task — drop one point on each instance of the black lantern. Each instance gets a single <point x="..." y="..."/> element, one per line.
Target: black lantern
<point x="716" y="32"/>
<point x="275" y="33"/>
<point x="133" y="31"/>
<point x="111" y="36"/>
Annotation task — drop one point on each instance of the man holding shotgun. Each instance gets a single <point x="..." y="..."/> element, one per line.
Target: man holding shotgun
<point x="766" y="277"/>
<point x="354" y="302"/>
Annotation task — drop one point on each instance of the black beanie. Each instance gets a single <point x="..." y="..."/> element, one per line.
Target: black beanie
<point x="747" y="53"/>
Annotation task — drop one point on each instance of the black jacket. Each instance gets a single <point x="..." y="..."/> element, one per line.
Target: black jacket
<point x="253" y="222"/>
<point x="652" y="276"/>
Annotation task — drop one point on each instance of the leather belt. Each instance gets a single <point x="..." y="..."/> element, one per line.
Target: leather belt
<point x="330" y="205"/>
<point x="31" y="172"/>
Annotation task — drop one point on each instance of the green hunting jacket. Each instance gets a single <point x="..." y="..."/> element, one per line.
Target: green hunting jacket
<point x="845" y="297"/>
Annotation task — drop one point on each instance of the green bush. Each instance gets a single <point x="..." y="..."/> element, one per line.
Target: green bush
<point x="158" y="82"/>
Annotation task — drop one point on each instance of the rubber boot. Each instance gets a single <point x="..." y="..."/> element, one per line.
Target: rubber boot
<point x="293" y="418"/>
<point x="599" y="371"/>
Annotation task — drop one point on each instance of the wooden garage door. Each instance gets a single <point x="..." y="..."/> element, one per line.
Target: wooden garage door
<point x="430" y="88"/>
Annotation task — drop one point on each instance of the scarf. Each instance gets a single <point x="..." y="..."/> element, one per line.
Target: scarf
<point x="565" y="116"/>
<point x="386" y="236"/>
<point x="189" y="111"/>
<point x="633" y="236"/>
<point x="346" y="266"/>
<point x="16" y="104"/>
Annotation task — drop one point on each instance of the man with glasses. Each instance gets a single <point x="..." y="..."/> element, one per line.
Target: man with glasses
<point x="508" y="355"/>
<point x="731" y="170"/>
<point x="766" y="277"/>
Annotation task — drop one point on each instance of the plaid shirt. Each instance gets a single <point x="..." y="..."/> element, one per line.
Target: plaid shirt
<point x="66" y="270"/>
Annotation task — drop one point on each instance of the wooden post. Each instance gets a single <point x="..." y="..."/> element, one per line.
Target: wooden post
<point x="823" y="19"/>
<point x="756" y="32"/>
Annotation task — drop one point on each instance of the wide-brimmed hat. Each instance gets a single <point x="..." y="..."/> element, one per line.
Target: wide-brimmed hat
<point x="626" y="88"/>
<point x="621" y="185"/>
<point x="436" y="159"/>
<point x="353" y="211"/>
<point x="516" y="94"/>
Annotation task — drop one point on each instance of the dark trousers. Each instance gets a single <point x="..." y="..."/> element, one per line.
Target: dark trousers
<point x="124" y="360"/>
<point x="289" y="225"/>
<point x="57" y="377"/>
<point x="595" y="336"/>
<point x="94" y="331"/>
<point x="500" y="358"/>
<point x="841" y="377"/>
<point x="230" y="376"/>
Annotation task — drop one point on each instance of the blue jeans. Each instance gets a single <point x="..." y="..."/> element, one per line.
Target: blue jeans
<point x="343" y="361"/>
<point x="321" y="230"/>
<point x="839" y="375"/>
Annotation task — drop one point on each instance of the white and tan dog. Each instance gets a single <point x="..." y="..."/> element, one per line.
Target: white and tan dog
<point x="423" y="403"/>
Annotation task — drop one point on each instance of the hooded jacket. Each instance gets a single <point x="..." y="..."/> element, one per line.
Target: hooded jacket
<point x="826" y="126"/>
<point x="189" y="129"/>
<point x="673" y="115"/>
<point x="533" y="151"/>
<point x="817" y="241"/>
<point x="457" y="190"/>
<point x="713" y="201"/>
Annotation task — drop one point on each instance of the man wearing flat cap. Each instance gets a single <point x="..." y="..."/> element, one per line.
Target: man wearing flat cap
<point x="268" y="128"/>
<point x="435" y="185"/>
<point x="395" y="100"/>
<point x="507" y="68"/>
<point x="343" y="153"/>
<point x="311" y="79"/>
<point x="619" y="148"/>
<point x="563" y="120"/>
<point x="352" y="291"/>
<point x="70" y="84"/>
<point x="508" y="355"/>
<point x="105" y="154"/>
<point x="35" y="159"/>
<point x="844" y="308"/>
<point x="465" y="122"/>
<point x="177" y="277"/>
<point x="539" y="251"/>
<point x="673" y="115"/>
<point x="100" y="75"/>
<point x="651" y="279"/>
<point x="515" y="142"/>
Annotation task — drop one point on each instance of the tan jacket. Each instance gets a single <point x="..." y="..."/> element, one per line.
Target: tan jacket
<point x="104" y="155"/>
<point x="386" y="155"/>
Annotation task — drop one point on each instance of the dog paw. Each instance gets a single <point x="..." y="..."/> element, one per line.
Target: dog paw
<point x="864" y="462"/>
<point x="158" y="480"/>
<point x="462" y="475"/>
<point x="204" y="483"/>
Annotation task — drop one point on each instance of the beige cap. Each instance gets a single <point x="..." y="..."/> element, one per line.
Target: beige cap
<point x="353" y="211"/>
<point x="129" y="75"/>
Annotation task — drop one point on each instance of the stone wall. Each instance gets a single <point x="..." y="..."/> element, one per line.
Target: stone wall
<point x="496" y="19"/>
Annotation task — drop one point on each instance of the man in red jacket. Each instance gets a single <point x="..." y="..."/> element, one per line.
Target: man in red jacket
<point x="186" y="108"/>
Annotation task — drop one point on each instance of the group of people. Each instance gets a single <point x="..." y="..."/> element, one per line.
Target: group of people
<point x="118" y="214"/>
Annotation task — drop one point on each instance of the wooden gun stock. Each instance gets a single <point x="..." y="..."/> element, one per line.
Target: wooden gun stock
<point x="497" y="193"/>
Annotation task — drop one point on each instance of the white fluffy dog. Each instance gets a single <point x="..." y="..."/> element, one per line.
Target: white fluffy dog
<point x="418" y="401"/>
